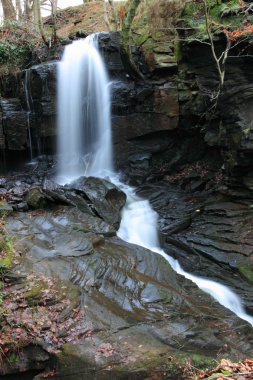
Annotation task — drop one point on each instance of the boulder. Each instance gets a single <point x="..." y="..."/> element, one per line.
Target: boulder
<point x="5" y="208"/>
<point x="107" y="199"/>
<point x="36" y="198"/>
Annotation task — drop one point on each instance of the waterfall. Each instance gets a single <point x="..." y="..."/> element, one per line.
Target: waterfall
<point x="28" y="100"/>
<point x="84" y="121"/>
<point x="84" y="148"/>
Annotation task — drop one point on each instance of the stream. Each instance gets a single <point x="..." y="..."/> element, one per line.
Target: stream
<point x="139" y="226"/>
<point x="85" y="148"/>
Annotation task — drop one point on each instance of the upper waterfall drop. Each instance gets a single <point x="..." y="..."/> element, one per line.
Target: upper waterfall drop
<point x="84" y="120"/>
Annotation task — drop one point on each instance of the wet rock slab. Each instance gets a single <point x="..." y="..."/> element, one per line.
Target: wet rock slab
<point x="138" y="309"/>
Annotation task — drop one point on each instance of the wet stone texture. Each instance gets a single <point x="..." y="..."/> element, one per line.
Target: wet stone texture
<point x="136" y="311"/>
<point x="210" y="233"/>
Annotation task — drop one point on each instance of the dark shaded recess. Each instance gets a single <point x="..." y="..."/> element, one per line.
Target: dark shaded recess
<point x="10" y="86"/>
<point x="10" y="161"/>
<point x="179" y="148"/>
<point x="47" y="145"/>
<point x="29" y="375"/>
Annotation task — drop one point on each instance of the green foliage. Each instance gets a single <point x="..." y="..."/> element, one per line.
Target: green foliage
<point x="246" y="271"/>
<point x="188" y="364"/>
<point x="224" y="372"/>
<point x="1" y="298"/>
<point x="220" y="13"/>
<point x="12" y="54"/>
<point x="6" y="251"/>
<point x="17" y="41"/>
<point x="192" y="9"/>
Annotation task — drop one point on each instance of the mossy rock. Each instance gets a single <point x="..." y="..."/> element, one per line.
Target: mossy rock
<point x="34" y="295"/>
<point x="7" y="251"/>
<point x="5" y="209"/>
<point x="246" y="270"/>
<point x="6" y="262"/>
<point x="36" y="199"/>
<point x="150" y="362"/>
<point x="150" y="32"/>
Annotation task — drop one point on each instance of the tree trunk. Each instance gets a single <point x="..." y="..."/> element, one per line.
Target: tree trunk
<point x="38" y="20"/>
<point x="28" y="10"/>
<point x="53" y="13"/>
<point x="19" y="10"/>
<point x="8" y="10"/>
<point x="115" y="19"/>
<point x="54" y="6"/>
<point x="125" y="37"/>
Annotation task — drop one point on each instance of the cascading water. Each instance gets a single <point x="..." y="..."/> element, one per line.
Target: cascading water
<point x="85" y="149"/>
<point x="139" y="226"/>
<point x="28" y="100"/>
<point x="84" y="121"/>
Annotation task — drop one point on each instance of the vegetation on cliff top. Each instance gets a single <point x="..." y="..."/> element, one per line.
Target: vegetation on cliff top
<point x="20" y="39"/>
<point x="223" y="15"/>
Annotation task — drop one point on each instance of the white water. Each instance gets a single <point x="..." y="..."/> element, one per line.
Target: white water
<point x="84" y="121"/>
<point x="28" y="100"/>
<point x="139" y="226"/>
<point x="85" y="149"/>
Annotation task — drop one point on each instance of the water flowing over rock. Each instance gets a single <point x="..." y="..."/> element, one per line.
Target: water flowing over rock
<point x="149" y="309"/>
<point x="84" y="122"/>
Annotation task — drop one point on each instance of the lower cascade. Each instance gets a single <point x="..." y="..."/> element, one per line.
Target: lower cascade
<point x="84" y="148"/>
<point x="139" y="226"/>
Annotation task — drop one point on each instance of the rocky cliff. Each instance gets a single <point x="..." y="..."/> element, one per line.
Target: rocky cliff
<point x="161" y="119"/>
<point x="161" y="112"/>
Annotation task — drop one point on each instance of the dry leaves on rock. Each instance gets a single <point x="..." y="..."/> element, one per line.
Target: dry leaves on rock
<point x="227" y="370"/>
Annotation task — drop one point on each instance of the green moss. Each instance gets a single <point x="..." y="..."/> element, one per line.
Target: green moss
<point x="197" y="9"/>
<point x="142" y="36"/>
<point x="202" y="361"/>
<point x="222" y="14"/>
<point x="12" y="358"/>
<point x="178" y="51"/>
<point x="165" y="296"/>
<point x="7" y="251"/>
<point x="179" y="362"/>
<point x="36" y="199"/>
<point x="5" y="209"/>
<point x="6" y="262"/>
<point x="246" y="271"/>
<point x="192" y="9"/>
<point x="35" y="292"/>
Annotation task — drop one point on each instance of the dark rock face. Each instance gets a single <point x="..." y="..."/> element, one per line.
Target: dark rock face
<point x="30" y="358"/>
<point x="14" y="125"/>
<point x="230" y="129"/>
<point x="210" y="233"/>
<point x="34" y="123"/>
